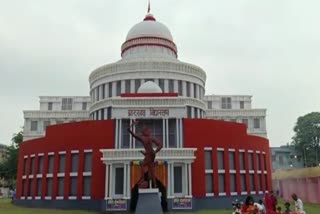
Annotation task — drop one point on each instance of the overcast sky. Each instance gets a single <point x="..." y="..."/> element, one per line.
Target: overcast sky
<point x="269" y="49"/>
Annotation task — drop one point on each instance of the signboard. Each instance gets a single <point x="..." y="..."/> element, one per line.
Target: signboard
<point x="182" y="203"/>
<point x="151" y="112"/>
<point x="116" y="204"/>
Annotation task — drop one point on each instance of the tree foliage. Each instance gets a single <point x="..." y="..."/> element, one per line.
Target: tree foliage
<point x="307" y="138"/>
<point x="8" y="168"/>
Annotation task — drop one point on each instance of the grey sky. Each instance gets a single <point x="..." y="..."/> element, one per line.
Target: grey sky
<point x="269" y="49"/>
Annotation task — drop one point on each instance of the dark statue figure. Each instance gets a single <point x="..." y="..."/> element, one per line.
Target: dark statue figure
<point x="149" y="154"/>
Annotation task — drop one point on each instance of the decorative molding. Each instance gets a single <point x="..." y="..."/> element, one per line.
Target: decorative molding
<point x="41" y="114"/>
<point x="207" y="148"/>
<point x="87" y="150"/>
<point x="62" y="153"/>
<point x="233" y="193"/>
<point x="86" y="197"/>
<point x="222" y="194"/>
<point x="209" y="171"/>
<point x="59" y="197"/>
<point x="74" y="151"/>
<point x="209" y="194"/>
<point x="218" y="113"/>
<point x="72" y="197"/>
<point x="73" y="174"/>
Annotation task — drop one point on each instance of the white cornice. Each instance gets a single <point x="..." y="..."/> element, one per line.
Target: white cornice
<point x="236" y="112"/>
<point x="55" y="114"/>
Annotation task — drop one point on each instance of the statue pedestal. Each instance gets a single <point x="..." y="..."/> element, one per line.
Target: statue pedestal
<point x="149" y="202"/>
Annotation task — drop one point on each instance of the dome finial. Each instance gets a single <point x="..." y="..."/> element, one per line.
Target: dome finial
<point x="148" y="6"/>
<point x="149" y="16"/>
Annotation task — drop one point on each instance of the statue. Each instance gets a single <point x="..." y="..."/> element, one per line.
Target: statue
<point x="149" y="154"/>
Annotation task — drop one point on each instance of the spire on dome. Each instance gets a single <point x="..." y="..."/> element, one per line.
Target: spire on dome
<point x="148" y="7"/>
<point x="149" y="16"/>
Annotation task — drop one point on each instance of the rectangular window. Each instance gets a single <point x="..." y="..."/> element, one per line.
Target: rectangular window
<point x="46" y="123"/>
<point x="33" y="165"/>
<point x="245" y="121"/>
<point x="109" y="109"/>
<point x="74" y="162"/>
<point x="60" y="186"/>
<point x="40" y="169"/>
<point x="266" y="181"/>
<point x="137" y="83"/>
<point x="49" y="186"/>
<point x="87" y="186"/>
<point x="233" y="182"/>
<point x="243" y="182"/>
<point x="172" y="133"/>
<point x="127" y="86"/>
<point x="258" y="162"/>
<point x="30" y="187"/>
<point x="220" y="159"/>
<point x="177" y="175"/>
<point x="252" y="182"/>
<point x="73" y="185"/>
<point x="209" y="182"/>
<point x="62" y="163"/>
<point x="195" y="112"/>
<point x="24" y="187"/>
<point x="194" y="90"/>
<point x="39" y="186"/>
<point x="84" y="106"/>
<point x="87" y="162"/>
<point x="110" y="89"/>
<point x="125" y="138"/>
<point x="264" y="162"/>
<point x="98" y="93"/>
<point x="66" y="104"/>
<point x="188" y="89"/>
<point x="118" y="88"/>
<point x="259" y="182"/>
<point x="171" y="86"/>
<point x="103" y="91"/>
<point x="241" y="104"/>
<point x="232" y="164"/>
<point x="102" y="113"/>
<point x="221" y="183"/>
<point x="50" y="106"/>
<point x="180" y="87"/>
<point x="119" y="181"/>
<point x="34" y="126"/>
<point x="189" y="109"/>
<point x="209" y="104"/>
<point x="25" y="166"/>
<point x="161" y="84"/>
<point x="242" y="163"/>
<point x="208" y="159"/>
<point x="256" y="123"/>
<point x="226" y="103"/>
<point x="50" y="168"/>
<point x="155" y="126"/>
<point x="250" y="160"/>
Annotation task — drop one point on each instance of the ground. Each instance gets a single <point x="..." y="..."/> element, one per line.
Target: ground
<point x="7" y="208"/>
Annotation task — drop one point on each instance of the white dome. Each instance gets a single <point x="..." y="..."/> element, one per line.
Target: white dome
<point x="149" y="87"/>
<point x="149" y="28"/>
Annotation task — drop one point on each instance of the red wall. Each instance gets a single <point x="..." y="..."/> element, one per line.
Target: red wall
<point x="93" y="135"/>
<point x="200" y="133"/>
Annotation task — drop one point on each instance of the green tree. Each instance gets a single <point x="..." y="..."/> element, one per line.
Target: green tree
<point x="8" y="168"/>
<point x="307" y="138"/>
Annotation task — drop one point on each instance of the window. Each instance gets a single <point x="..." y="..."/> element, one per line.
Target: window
<point x="250" y="157"/>
<point x="245" y="121"/>
<point x="109" y="109"/>
<point x="62" y="163"/>
<point x="256" y="123"/>
<point x="66" y="104"/>
<point x="242" y="163"/>
<point x="50" y="106"/>
<point x="188" y="89"/>
<point x="87" y="186"/>
<point x="137" y="83"/>
<point x="125" y="134"/>
<point x="258" y="161"/>
<point x="24" y="187"/>
<point x="25" y="165"/>
<point x="119" y="180"/>
<point x="46" y="123"/>
<point x="98" y="93"/>
<point x="40" y="169"/>
<point x="110" y="89"/>
<point x="241" y="104"/>
<point x="195" y="112"/>
<point x="103" y="91"/>
<point x="33" y="165"/>
<point x="39" y="186"/>
<point x="209" y="104"/>
<point x="102" y="114"/>
<point x="209" y="182"/>
<point x="87" y="162"/>
<point x="264" y="162"/>
<point x="30" y="187"/>
<point x="208" y="159"/>
<point x="156" y="129"/>
<point x="84" y="106"/>
<point x="180" y="87"/>
<point x="177" y="174"/>
<point x="49" y="186"/>
<point x="74" y="162"/>
<point x="161" y="84"/>
<point x="118" y="88"/>
<point x="260" y="182"/>
<point x="189" y="112"/>
<point x="226" y="103"/>
<point x="60" y="186"/>
<point x="252" y="182"/>
<point x="171" y="86"/>
<point x="280" y="160"/>
<point x="221" y="183"/>
<point x="266" y="181"/>
<point x="127" y="86"/>
<point x="172" y="133"/>
<point x="34" y="126"/>
<point x="50" y="168"/>
<point x="233" y="183"/>
<point x="195" y="90"/>
<point x="232" y="160"/>
<point x="243" y="182"/>
<point x="73" y="185"/>
<point x="220" y="159"/>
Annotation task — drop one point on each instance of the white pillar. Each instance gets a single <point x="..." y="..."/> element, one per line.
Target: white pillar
<point x="172" y="179"/>
<point x="190" y="179"/>
<point x="120" y="134"/>
<point x="185" y="180"/>
<point x="125" y="180"/>
<point x="114" y="88"/>
<point x="177" y="133"/>
<point x="156" y="81"/>
<point x="181" y="132"/>
<point x="167" y="131"/>
<point x="192" y="112"/>
<point x="191" y="89"/>
<point x="116" y="143"/>
<point x="110" y="181"/>
<point x="184" y="88"/>
<point x="169" y="178"/>
<point x="134" y="140"/>
<point x="130" y="136"/>
<point x="164" y="134"/>
<point x="106" y="194"/>
<point x="197" y="92"/>
<point x="123" y="86"/>
<point x="175" y="86"/>
<point x="128" y="180"/>
<point x="100" y="92"/>
<point x="166" y="86"/>
<point x="132" y="86"/>
<point x="106" y="90"/>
